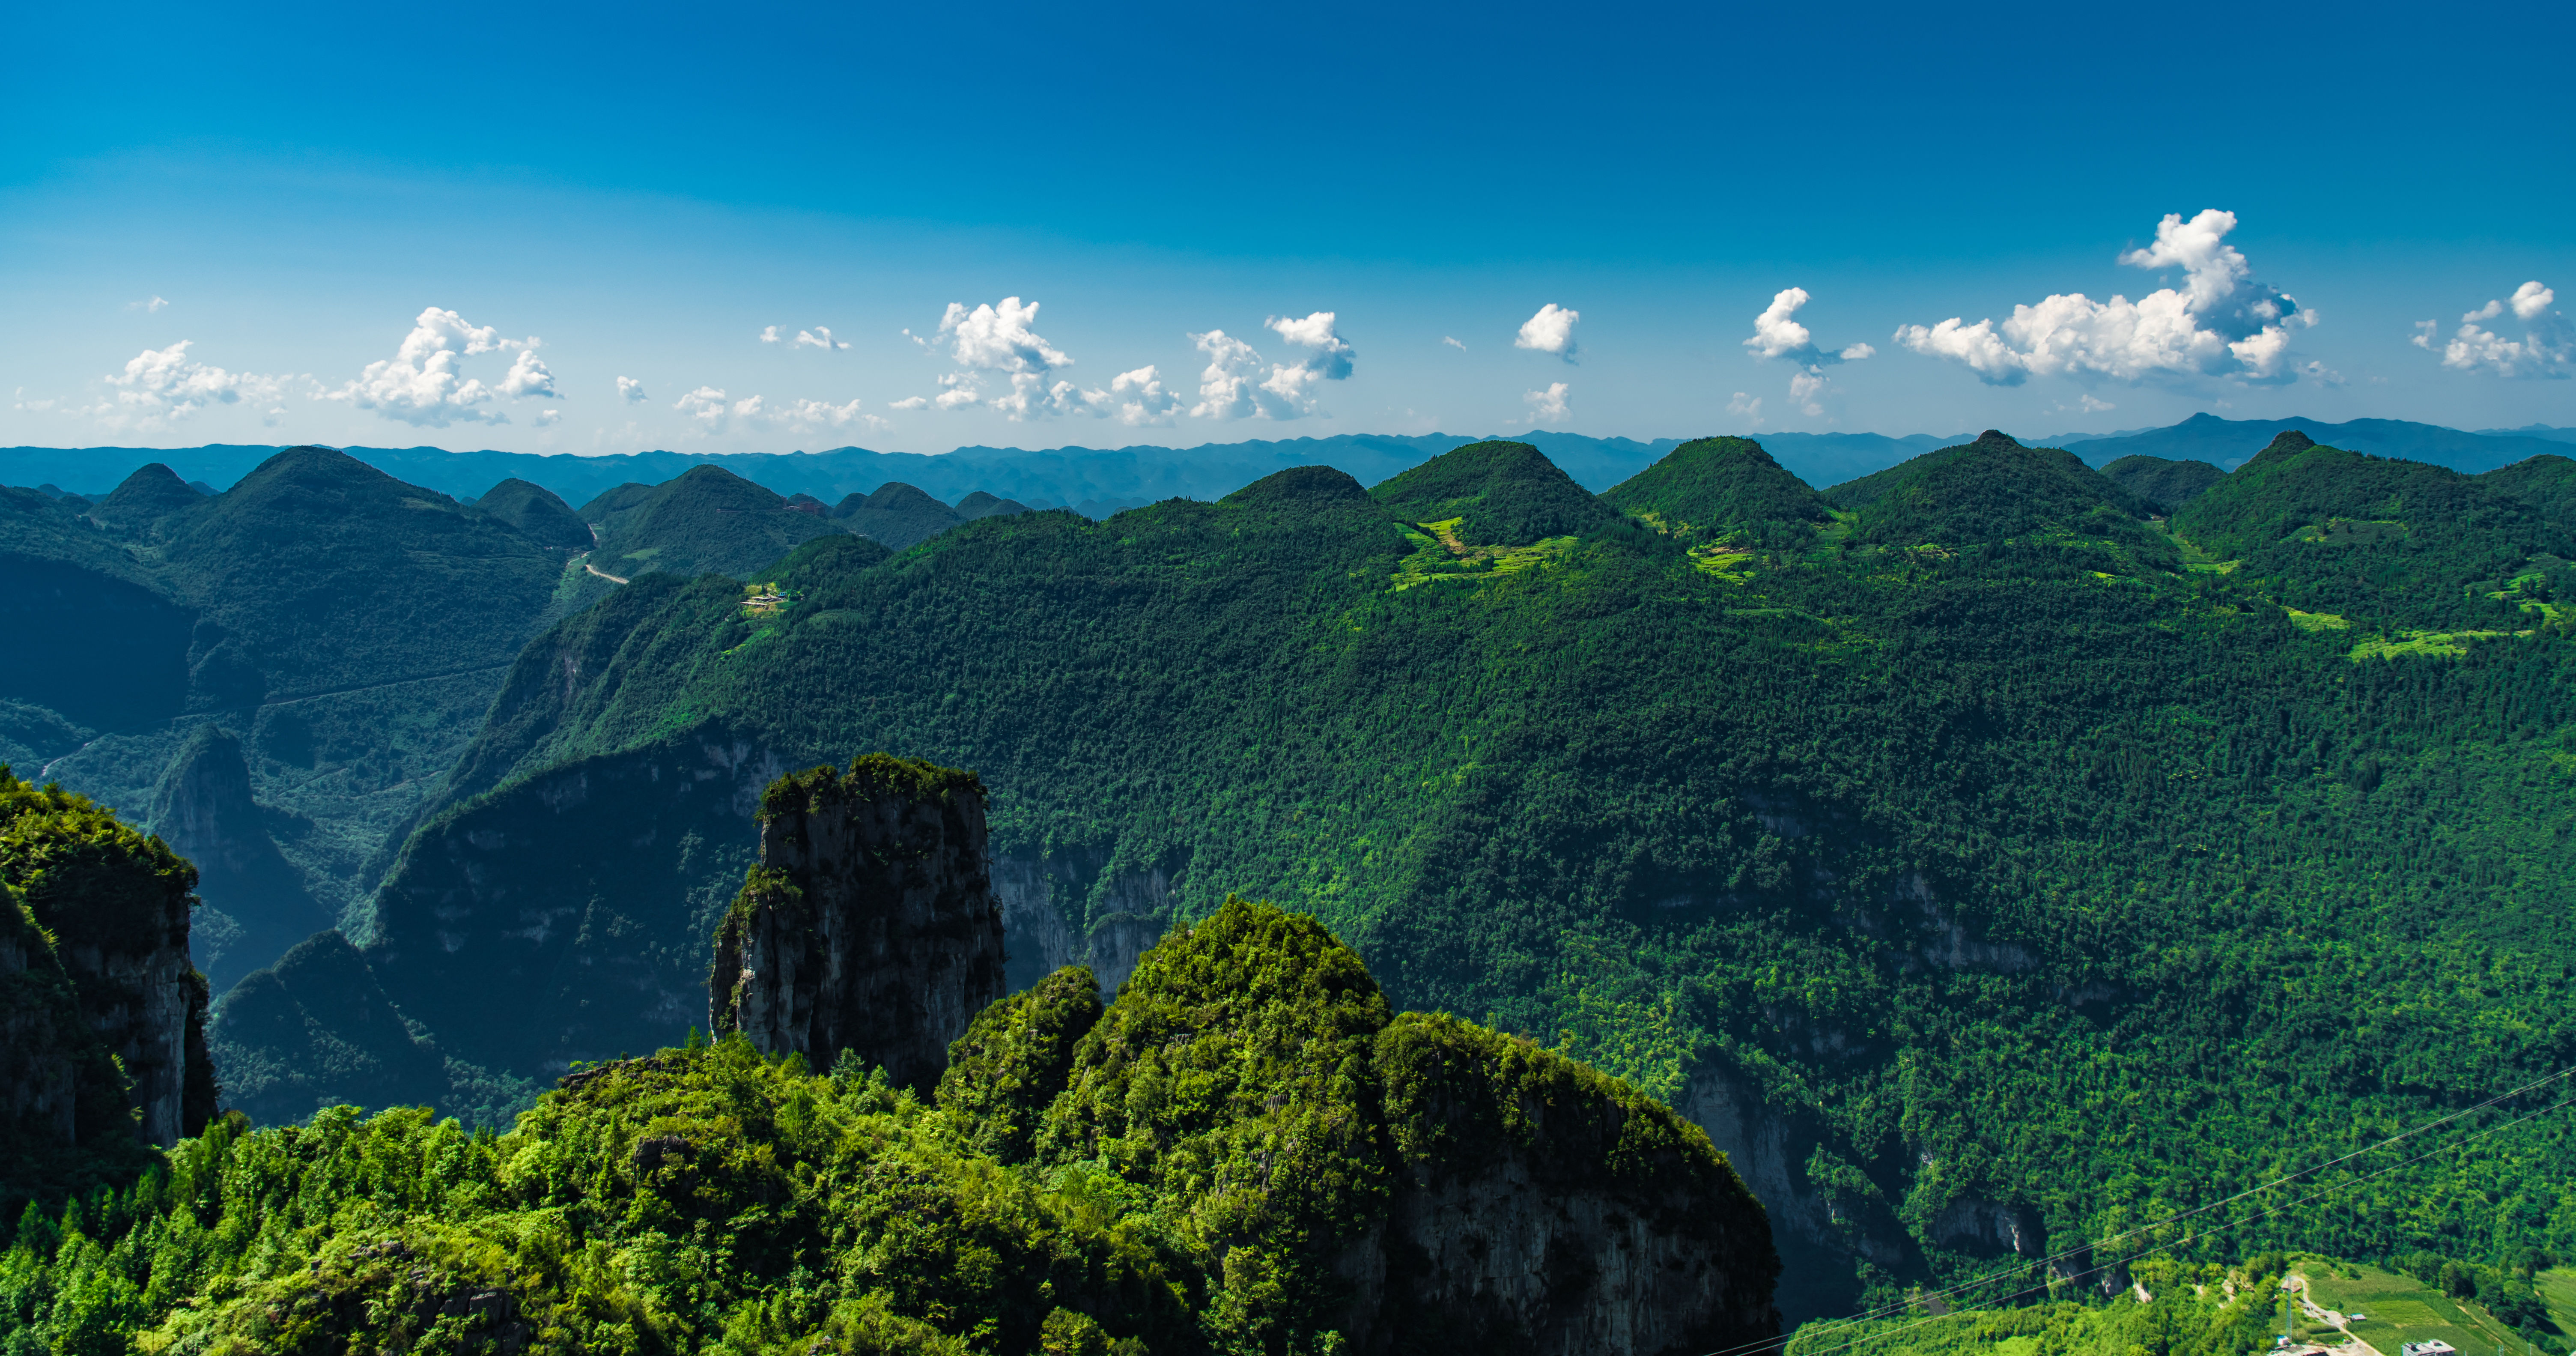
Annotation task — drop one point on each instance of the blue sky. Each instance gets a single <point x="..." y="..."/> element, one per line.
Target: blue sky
<point x="357" y="220"/>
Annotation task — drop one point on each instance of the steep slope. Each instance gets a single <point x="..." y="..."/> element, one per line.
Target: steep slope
<point x="1439" y="1186"/>
<point x="318" y="572"/>
<point x="256" y="903"/>
<point x="1498" y="494"/>
<point x="102" y="1015"/>
<point x="1712" y="488"/>
<point x="1823" y="855"/>
<point x="869" y="930"/>
<point x="146" y="498"/>
<point x="1986" y="491"/>
<point x="897" y="515"/>
<point x="2546" y="483"/>
<point x="707" y="521"/>
<point x="538" y="514"/>
<point x="2379" y="543"/>
<point x="95" y="640"/>
<point x="2167" y="485"/>
<point x="315" y="1030"/>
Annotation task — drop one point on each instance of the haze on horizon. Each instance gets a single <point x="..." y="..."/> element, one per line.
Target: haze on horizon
<point x="1031" y="227"/>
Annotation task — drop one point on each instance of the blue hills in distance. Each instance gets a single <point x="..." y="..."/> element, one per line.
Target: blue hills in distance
<point x="1099" y="481"/>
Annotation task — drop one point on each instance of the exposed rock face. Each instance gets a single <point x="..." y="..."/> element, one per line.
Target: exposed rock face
<point x="1128" y="910"/>
<point x="1539" y="1209"/>
<point x="203" y="809"/>
<point x="116" y="905"/>
<point x="869" y="926"/>
<point x="1412" y="1182"/>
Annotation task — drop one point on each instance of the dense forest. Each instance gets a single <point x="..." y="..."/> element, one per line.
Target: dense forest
<point x="1993" y="854"/>
<point x="1986" y="859"/>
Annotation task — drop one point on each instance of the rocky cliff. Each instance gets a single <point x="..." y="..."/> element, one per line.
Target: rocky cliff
<point x="256" y="904"/>
<point x="104" y="1015"/>
<point x="1407" y="1182"/>
<point x="870" y="925"/>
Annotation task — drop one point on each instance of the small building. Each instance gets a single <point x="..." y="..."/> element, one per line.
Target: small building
<point x="2432" y="1348"/>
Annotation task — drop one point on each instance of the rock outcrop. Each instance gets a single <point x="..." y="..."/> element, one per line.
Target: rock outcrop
<point x="870" y="925"/>
<point x="102" y="1007"/>
<point x="1408" y="1182"/>
<point x="203" y="808"/>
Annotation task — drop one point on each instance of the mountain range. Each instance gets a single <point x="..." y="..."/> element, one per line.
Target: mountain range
<point x="1982" y="848"/>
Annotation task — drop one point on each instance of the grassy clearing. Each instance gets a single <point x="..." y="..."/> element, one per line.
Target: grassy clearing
<point x="2434" y="644"/>
<point x="2399" y="1309"/>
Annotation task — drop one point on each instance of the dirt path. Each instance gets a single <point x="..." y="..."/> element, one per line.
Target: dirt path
<point x="2331" y="1318"/>
<point x="585" y="564"/>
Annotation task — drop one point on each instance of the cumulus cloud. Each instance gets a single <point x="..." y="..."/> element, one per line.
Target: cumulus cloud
<point x="825" y="342"/>
<point x="911" y="403"/>
<point x="547" y="418"/>
<point x="162" y="385"/>
<point x="769" y="334"/>
<point x="1746" y="407"/>
<point x="1452" y="342"/>
<point x="1804" y="389"/>
<point x="1548" y="406"/>
<point x="150" y="307"/>
<point x="708" y="407"/>
<point x="423" y="383"/>
<point x="1550" y="331"/>
<point x="631" y="391"/>
<point x="1777" y="334"/>
<point x="1140" y="399"/>
<point x="2090" y="405"/>
<point x="2221" y="322"/>
<point x="2546" y="349"/>
<point x="998" y="338"/>
<point x="1235" y="386"/>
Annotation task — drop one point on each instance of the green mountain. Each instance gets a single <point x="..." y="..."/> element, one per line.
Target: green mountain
<point x="1247" y="1152"/>
<point x="347" y="628"/>
<point x="1710" y="489"/>
<point x="2167" y="485"/>
<point x="2546" y="483"/>
<point x="707" y="520"/>
<point x="537" y="513"/>
<point x="897" y="515"/>
<point x="1997" y="876"/>
<point x="2379" y="543"/>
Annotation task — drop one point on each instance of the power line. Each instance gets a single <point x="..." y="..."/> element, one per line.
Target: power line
<point x="2179" y="1216"/>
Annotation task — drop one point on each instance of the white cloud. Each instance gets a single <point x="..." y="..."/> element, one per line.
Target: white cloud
<point x="2090" y="405"/>
<point x="1452" y="342"/>
<point x="769" y="335"/>
<point x="148" y="307"/>
<point x="808" y="339"/>
<point x="1746" y="407"/>
<point x="1333" y="353"/>
<point x="705" y="405"/>
<point x="2546" y="349"/>
<point x="547" y="418"/>
<point x="159" y="386"/>
<point x="998" y="339"/>
<point x="1804" y="388"/>
<point x="422" y="383"/>
<point x="1141" y="399"/>
<point x="1550" y="331"/>
<point x="713" y="413"/>
<point x="910" y="403"/>
<point x="2221" y="323"/>
<point x="631" y="391"/>
<point x="21" y="402"/>
<point x="528" y="377"/>
<point x="1548" y="406"/>
<point x="1233" y="386"/>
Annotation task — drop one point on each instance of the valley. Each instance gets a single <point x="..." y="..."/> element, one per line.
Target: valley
<point x="1988" y="852"/>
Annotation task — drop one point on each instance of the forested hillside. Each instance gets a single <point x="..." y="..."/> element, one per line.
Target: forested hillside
<point x="1982" y="863"/>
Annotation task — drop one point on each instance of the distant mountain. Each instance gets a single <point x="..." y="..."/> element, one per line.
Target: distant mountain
<point x="2230" y="443"/>
<point x="706" y="519"/>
